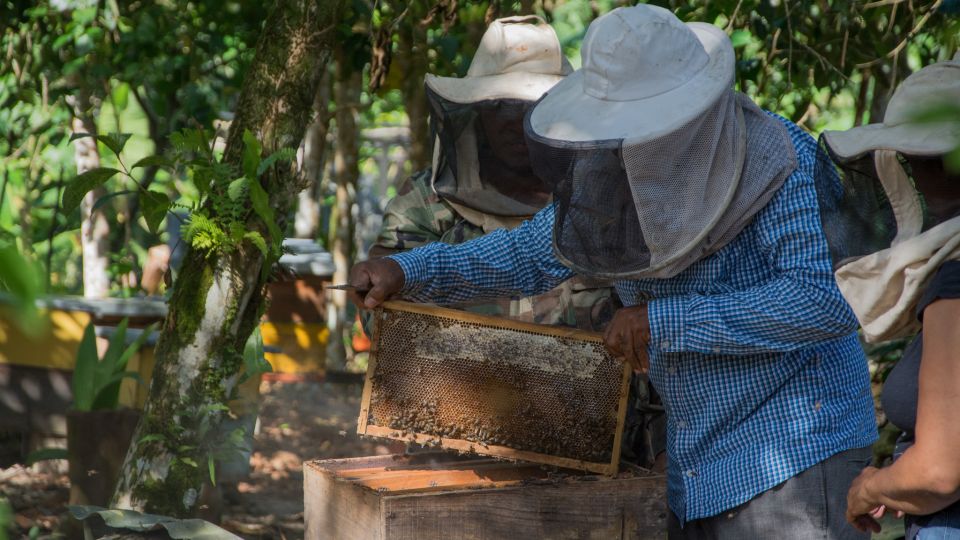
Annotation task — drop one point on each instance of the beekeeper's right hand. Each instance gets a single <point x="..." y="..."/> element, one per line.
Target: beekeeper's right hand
<point x="375" y="281"/>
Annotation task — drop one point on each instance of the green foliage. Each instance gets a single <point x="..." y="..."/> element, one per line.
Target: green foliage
<point x="114" y="141"/>
<point x="220" y="222"/>
<point x="204" y="234"/>
<point x="156" y="66"/>
<point x="96" y="382"/>
<point x="83" y="184"/>
<point x="194" y="529"/>
<point x="211" y="444"/>
<point x="6" y="518"/>
<point x="942" y="113"/>
<point x="45" y="454"/>
<point x="19" y="280"/>
<point x="254" y="362"/>
<point x="155" y="205"/>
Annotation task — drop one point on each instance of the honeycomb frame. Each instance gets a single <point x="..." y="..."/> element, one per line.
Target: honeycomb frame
<point x="508" y="418"/>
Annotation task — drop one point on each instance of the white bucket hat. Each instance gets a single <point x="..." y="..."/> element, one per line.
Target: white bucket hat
<point x="936" y="83"/>
<point x="883" y="287"/>
<point x="518" y="58"/>
<point x="645" y="74"/>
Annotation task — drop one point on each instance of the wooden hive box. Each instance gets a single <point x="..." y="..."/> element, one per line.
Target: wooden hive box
<point x="493" y="386"/>
<point x="445" y="496"/>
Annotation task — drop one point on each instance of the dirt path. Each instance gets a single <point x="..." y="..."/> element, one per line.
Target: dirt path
<point x="298" y="421"/>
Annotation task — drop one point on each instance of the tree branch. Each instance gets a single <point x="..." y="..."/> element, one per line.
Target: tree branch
<point x="913" y="32"/>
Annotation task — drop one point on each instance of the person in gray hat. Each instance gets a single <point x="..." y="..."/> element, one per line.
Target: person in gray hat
<point x="893" y="225"/>
<point x="703" y="209"/>
<point x="481" y="180"/>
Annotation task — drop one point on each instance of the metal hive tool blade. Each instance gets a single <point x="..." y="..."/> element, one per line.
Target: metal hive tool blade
<point x="493" y="386"/>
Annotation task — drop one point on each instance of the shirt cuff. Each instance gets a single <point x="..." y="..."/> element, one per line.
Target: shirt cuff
<point x="415" y="269"/>
<point x="668" y="319"/>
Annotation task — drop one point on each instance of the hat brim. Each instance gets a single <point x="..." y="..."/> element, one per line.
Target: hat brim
<point x="568" y="113"/>
<point x="514" y="85"/>
<point x="912" y="139"/>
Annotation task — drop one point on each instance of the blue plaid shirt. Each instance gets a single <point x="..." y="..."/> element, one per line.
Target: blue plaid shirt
<point x="753" y="349"/>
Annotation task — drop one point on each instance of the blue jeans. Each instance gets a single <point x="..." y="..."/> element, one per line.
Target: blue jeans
<point x="811" y="505"/>
<point x="942" y="525"/>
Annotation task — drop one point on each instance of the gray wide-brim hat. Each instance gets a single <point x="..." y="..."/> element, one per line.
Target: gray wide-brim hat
<point x="518" y="58"/>
<point x="645" y="74"/>
<point x="900" y="131"/>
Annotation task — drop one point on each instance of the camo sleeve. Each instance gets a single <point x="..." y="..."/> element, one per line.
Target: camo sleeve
<point x="416" y="216"/>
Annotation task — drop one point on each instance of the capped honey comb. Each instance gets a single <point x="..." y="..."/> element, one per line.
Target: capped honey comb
<point x="493" y="386"/>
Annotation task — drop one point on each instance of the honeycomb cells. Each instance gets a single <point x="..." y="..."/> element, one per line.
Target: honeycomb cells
<point x="494" y="385"/>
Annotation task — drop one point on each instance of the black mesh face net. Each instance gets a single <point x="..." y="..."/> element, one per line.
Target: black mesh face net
<point x="484" y="162"/>
<point x="857" y="214"/>
<point x="596" y="227"/>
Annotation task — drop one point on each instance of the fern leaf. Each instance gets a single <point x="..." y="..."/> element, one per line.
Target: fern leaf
<point x="256" y="239"/>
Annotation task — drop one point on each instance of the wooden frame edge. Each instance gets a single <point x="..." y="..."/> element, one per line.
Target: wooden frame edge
<point x="621" y="417"/>
<point x="502" y="322"/>
<point x="368" y="379"/>
<point x="503" y="452"/>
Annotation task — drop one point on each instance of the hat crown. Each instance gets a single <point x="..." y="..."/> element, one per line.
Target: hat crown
<point x="639" y="52"/>
<point x="933" y="84"/>
<point x="524" y="44"/>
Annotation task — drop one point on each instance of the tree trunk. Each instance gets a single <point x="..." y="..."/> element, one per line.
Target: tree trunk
<point x="306" y="222"/>
<point x="346" y="94"/>
<point x="217" y="298"/>
<point x="94" y="229"/>
<point x="412" y="60"/>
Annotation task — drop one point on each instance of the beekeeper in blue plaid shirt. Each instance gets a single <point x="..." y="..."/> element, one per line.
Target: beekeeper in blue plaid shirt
<point x="702" y="208"/>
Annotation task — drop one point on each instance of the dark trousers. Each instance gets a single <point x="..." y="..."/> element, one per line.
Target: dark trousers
<point x="811" y="505"/>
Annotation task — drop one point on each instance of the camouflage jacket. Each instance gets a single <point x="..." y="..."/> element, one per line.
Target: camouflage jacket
<point x="418" y="216"/>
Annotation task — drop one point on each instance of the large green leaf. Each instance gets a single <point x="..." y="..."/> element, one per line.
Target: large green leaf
<point x="285" y="154"/>
<point x="84" y="373"/>
<point x="194" y="529"/>
<point x="111" y="369"/>
<point x="740" y="38"/>
<point x="261" y="205"/>
<point x="105" y="370"/>
<point x="251" y="154"/>
<point x="107" y="198"/>
<point x="81" y="185"/>
<point x="107" y="396"/>
<point x="237" y="187"/>
<point x="254" y="362"/>
<point x="19" y="278"/>
<point x="256" y="239"/>
<point x="121" y="96"/>
<point x="155" y="205"/>
<point x="134" y="347"/>
<point x="46" y="453"/>
<point x="153" y="161"/>
<point x="114" y="141"/>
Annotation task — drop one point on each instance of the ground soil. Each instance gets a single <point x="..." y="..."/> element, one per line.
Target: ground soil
<point x="298" y="421"/>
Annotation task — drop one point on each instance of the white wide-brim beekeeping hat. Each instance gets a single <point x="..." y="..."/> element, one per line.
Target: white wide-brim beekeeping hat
<point x="518" y="58"/>
<point x="900" y="131"/>
<point x="645" y="74"/>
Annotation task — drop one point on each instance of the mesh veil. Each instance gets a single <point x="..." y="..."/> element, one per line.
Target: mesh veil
<point x="864" y="214"/>
<point x="652" y="208"/>
<point x="482" y="160"/>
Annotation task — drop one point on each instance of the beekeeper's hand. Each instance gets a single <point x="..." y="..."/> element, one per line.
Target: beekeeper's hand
<point x="375" y="281"/>
<point x="627" y="337"/>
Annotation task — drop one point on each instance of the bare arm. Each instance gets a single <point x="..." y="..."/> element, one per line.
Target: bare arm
<point x="927" y="477"/>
